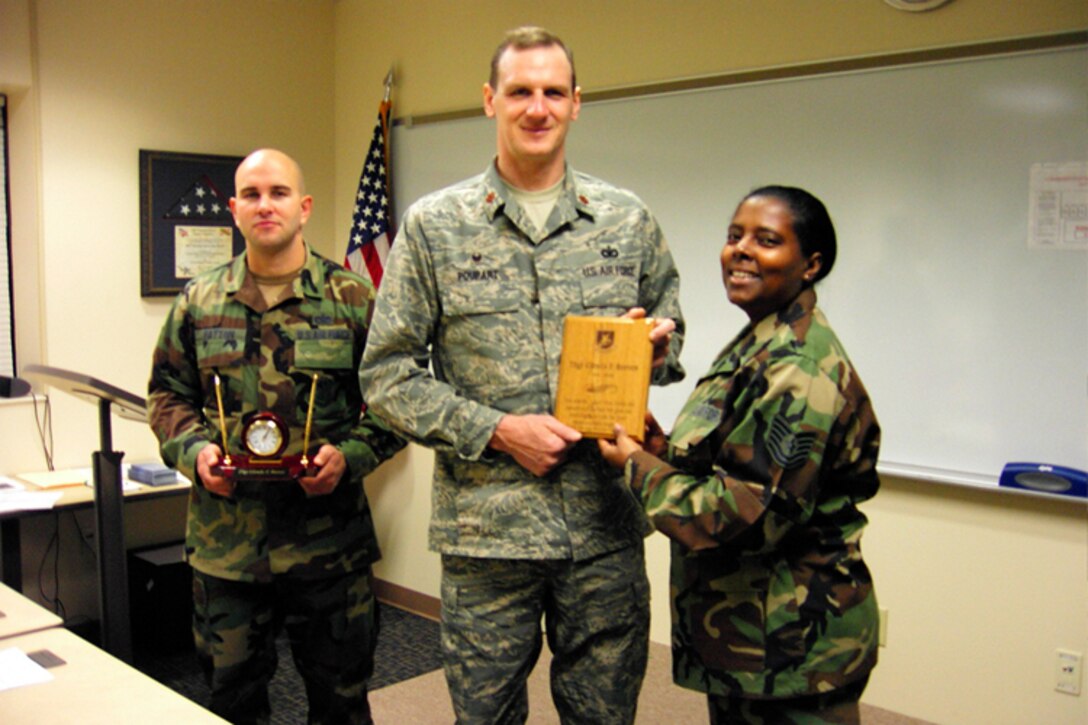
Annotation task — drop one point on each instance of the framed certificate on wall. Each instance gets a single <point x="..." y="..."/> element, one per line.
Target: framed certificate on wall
<point x="186" y="226"/>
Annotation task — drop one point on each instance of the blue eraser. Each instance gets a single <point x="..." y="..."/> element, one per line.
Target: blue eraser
<point x="1045" y="478"/>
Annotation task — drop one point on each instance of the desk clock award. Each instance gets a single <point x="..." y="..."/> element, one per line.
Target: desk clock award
<point x="604" y="375"/>
<point x="265" y="436"/>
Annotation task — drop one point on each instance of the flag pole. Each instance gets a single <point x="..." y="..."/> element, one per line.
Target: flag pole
<point x="387" y="131"/>
<point x="372" y="230"/>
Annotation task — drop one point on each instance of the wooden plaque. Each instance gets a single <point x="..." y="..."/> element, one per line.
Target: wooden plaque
<point x="604" y="375"/>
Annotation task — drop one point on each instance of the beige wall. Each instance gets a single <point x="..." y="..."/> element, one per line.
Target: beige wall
<point x="107" y="79"/>
<point x="441" y="49"/>
<point x="981" y="587"/>
<point x="92" y="83"/>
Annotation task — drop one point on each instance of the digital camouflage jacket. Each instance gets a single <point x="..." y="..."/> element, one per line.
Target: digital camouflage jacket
<point x="765" y="466"/>
<point x="265" y="359"/>
<point x="475" y="292"/>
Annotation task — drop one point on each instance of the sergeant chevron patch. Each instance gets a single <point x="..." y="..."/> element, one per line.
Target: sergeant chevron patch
<point x="787" y="447"/>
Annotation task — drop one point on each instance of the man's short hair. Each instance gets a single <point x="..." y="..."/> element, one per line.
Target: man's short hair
<point x="524" y="38"/>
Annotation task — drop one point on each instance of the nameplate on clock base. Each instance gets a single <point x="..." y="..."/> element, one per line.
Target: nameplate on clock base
<point x="604" y="375"/>
<point x="254" y="468"/>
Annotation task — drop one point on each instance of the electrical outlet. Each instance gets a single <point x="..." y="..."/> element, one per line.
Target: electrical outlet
<point x="1068" y="672"/>
<point x="882" y="635"/>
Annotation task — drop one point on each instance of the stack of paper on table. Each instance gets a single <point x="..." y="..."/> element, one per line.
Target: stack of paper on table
<point x="58" y="479"/>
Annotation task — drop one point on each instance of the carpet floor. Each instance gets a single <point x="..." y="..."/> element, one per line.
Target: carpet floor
<point x="409" y="687"/>
<point x="424" y="700"/>
<point x="407" y="648"/>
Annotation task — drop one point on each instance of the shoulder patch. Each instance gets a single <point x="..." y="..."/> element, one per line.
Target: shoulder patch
<point x="787" y="447"/>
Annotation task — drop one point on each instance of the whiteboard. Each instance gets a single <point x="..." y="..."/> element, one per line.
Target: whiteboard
<point x="973" y="345"/>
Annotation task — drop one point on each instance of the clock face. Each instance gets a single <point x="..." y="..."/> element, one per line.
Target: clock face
<point x="265" y="435"/>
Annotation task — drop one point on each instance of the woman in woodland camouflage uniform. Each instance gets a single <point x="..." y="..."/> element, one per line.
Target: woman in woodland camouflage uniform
<point x="774" y="613"/>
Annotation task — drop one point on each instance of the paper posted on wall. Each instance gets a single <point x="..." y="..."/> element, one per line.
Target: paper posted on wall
<point x="1058" y="215"/>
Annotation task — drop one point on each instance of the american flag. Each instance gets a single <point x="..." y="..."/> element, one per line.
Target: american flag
<point x="202" y="201"/>
<point x="372" y="227"/>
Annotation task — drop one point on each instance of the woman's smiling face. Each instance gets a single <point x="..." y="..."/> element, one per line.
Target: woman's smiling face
<point x="763" y="265"/>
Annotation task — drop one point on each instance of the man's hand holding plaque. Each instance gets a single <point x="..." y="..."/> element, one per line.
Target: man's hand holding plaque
<point x="604" y="374"/>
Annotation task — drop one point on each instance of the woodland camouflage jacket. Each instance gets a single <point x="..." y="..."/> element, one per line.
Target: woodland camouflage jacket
<point x="765" y="466"/>
<point x="265" y="358"/>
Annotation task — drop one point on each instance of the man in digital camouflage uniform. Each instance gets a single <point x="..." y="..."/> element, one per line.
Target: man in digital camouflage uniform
<point x="292" y="552"/>
<point x="529" y="520"/>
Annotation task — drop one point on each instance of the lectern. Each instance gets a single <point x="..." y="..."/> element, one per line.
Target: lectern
<point x="113" y="602"/>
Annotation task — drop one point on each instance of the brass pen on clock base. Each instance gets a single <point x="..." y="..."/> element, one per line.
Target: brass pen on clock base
<point x="309" y="420"/>
<point x="222" y="421"/>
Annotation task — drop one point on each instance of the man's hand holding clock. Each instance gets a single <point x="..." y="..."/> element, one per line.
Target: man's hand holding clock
<point x="210" y="455"/>
<point x="330" y="464"/>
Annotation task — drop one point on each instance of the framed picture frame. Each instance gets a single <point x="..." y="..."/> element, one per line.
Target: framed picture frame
<point x="185" y="222"/>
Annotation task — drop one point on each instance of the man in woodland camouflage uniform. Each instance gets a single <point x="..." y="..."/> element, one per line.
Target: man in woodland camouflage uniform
<point x="292" y="552"/>
<point x="529" y="520"/>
